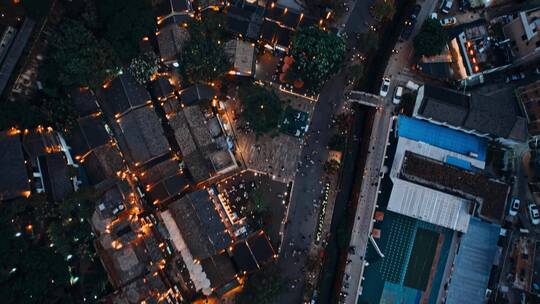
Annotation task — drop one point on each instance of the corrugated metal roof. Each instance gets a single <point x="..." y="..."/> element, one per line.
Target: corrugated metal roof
<point x="473" y="263"/>
<point x="442" y="137"/>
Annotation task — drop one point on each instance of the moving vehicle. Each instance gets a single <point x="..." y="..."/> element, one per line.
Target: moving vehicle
<point x="448" y="22"/>
<point x="514" y="207"/>
<point x="534" y="214"/>
<point x="447" y="6"/>
<point x="407" y="30"/>
<point x="397" y="95"/>
<point x="515" y="77"/>
<point x="385" y="86"/>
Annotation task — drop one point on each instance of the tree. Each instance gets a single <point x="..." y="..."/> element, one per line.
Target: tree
<point x="331" y="167"/>
<point x="431" y="39"/>
<point x="317" y="55"/>
<point x="262" y="287"/>
<point x="383" y="9"/>
<point x="126" y="22"/>
<point x="143" y="67"/>
<point x="37" y="9"/>
<point x="78" y="58"/>
<point x="336" y="142"/>
<point x="203" y="58"/>
<point x="262" y="108"/>
<point x="355" y="73"/>
<point x="367" y="41"/>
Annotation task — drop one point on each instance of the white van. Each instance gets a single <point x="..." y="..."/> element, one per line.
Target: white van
<point x="412" y="85"/>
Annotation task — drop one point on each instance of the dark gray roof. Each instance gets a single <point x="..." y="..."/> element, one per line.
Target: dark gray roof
<point x="102" y="163"/>
<point x="56" y="176"/>
<point x="200" y="224"/>
<point x="219" y="269"/>
<point x="36" y="144"/>
<point x="496" y="114"/>
<point x="14" y="177"/>
<point x="161" y="88"/>
<point x="193" y="94"/>
<point x="140" y="135"/>
<point x="123" y="94"/>
<point x="167" y="7"/>
<point x="261" y="248"/>
<point x="84" y="101"/>
<point x="90" y="134"/>
<point x="243" y="258"/>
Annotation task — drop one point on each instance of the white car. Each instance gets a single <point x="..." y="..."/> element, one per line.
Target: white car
<point x="448" y="22"/>
<point x="397" y="95"/>
<point x="534" y="213"/>
<point x="434" y="15"/>
<point x="447" y="6"/>
<point x="514" y="207"/>
<point x="385" y="86"/>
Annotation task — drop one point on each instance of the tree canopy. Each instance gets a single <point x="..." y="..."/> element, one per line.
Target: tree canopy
<point x="262" y="108"/>
<point x="143" y="67"/>
<point x="431" y="39"/>
<point x="78" y="57"/>
<point x="125" y="23"/>
<point x="383" y="9"/>
<point x="36" y="239"/>
<point x="262" y="287"/>
<point x="203" y="58"/>
<point x="317" y="55"/>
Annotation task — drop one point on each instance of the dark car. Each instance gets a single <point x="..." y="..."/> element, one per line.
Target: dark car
<point x="416" y="11"/>
<point x="408" y="29"/>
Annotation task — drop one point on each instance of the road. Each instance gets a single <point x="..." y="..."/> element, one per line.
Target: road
<point x="307" y="187"/>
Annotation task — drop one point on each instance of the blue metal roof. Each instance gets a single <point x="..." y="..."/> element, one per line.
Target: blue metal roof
<point x="473" y="263"/>
<point x="442" y="137"/>
<point x="458" y="162"/>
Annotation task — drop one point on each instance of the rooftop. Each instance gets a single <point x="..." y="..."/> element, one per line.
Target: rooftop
<point x="472" y="265"/>
<point x="140" y="135"/>
<point x="171" y="40"/>
<point x="490" y="193"/>
<point x="242" y="56"/>
<point x="84" y="101"/>
<point x="200" y="225"/>
<point x="58" y="183"/>
<point x="496" y="114"/>
<point x="122" y="94"/>
<point x="16" y="183"/>
<point x="442" y="137"/>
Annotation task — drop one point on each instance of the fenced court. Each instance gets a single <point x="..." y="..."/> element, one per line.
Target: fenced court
<point x="423" y="252"/>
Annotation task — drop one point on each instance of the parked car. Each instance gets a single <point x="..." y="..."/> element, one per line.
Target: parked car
<point x="447" y="6"/>
<point x="515" y="77"/>
<point x="385" y="86"/>
<point x="434" y="15"/>
<point x="416" y="10"/>
<point x="397" y="95"/>
<point x="448" y="22"/>
<point x="534" y="214"/>
<point x="514" y="207"/>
